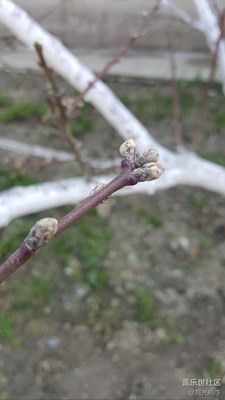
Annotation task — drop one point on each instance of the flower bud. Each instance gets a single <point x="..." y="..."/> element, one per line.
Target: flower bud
<point x="128" y="150"/>
<point x="150" y="155"/>
<point x="41" y="233"/>
<point x="148" y="172"/>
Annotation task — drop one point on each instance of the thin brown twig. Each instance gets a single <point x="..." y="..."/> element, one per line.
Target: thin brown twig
<point x="147" y="16"/>
<point x="23" y="253"/>
<point x="205" y="95"/>
<point x="175" y="98"/>
<point x="56" y="99"/>
<point x="60" y="116"/>
<point x="52" y="10"/>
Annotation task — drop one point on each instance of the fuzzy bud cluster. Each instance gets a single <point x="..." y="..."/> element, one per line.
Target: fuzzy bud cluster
<point x="146" y="167"/>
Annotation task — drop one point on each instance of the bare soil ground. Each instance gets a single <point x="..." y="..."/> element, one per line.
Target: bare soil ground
<point x="130" y="302"/>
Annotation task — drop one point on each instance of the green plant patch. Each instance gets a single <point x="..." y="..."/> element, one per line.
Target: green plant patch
<point x="91" y="245"/>
<point x="97" y="277"/>
<point x="7" y="333"/>
<point x="12" y="236"/>
<point x="217" y="87"/>
<point x="42" y="289"/>
<point x="21" y="299"/>
<point x="196" y="83"/>
<point x="22" y="112"/>
<point x="125" y="100"/>
<point x="4" y="101"/>
<point x="10" y="178"/>
<point x="214" y="157"/>
<point x="161" y="107"/>
<point x="150" y="216"/>
<point x="222" y="262"/>
<point x="173" y="335"/>
<point x="186" y="103"/>
<point x="4" y="396"/>
<point x="218" y="119"/>
<point x="145" y="306"/>
<point x="27" y="297"/>
<point x="80" y="125"/>
<point x="213" y="369"/>
<point x="83" y="122"/>
<point x="206" y="241"/>
<point x="197" y="199"/>
<point x="88" y="240"/>
<point x="146" y="311"/>
<point x="140" y="106"/>
<point x="105" y="318"/>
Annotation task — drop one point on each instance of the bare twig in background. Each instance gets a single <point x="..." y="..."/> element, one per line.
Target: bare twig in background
<point x="60" y="110"/>
<point x="147" y="17"/>
<point x="174" y="93"/>
<point x="52" y="10"/>
<point x="205" y="95"/>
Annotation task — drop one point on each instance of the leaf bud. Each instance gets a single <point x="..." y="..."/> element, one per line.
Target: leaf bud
<point x="148" y="172"/>
<point x="128" y="150"/>
<point x="150" y="155"/>
<point x="41" y="233"/>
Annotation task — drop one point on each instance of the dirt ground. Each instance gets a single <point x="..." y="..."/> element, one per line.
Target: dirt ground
<point x="130" y="303"/>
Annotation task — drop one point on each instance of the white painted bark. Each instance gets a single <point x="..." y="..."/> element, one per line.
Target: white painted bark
<point x="181" y="14"/>
<point x="51" y="154"/>
<point x="190" y="170"/>
<point x="181" y="168"/>
<point x="211" y="30"/>
<point x="206" y="23"/>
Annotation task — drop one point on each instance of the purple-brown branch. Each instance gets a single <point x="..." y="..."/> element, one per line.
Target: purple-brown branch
<point x="147" y="16"/>
<point x="56" y="104"/>
<point x="23" y="253"/>
<point x="125" y="178"/>
<point x="134" y="169"/>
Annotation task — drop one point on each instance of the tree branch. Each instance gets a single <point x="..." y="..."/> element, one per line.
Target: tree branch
<point x="46" y="229"/>
<point x="212" y="31"/>
<point x="189" y="170"/>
